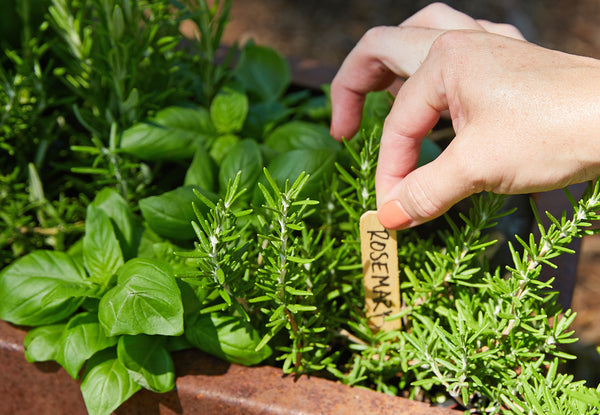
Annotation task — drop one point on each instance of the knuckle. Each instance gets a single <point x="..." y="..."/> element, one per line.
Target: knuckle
<point x="436" y="9"/>
<point x="374" y="35"/>
<point x="451" y="40"/>
<point x="455" y="48"/>
<point x="511" y="31"/>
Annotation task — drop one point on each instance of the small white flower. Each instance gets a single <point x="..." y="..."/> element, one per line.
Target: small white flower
<point x="365" y="193"/>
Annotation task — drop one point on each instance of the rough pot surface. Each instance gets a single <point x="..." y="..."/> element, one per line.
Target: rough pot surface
<point x="205" y="385"/>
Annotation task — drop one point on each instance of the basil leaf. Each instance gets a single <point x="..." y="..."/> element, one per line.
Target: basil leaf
<point x="126" y="228"/>
<point x="43" y="287"/>
<point x="101" y="250"/>
<point x="300" y="135"/>
<point x="146" y="300"/>
<point x="173" y="134"/>
<point x="43" y="343"/>
<point x="177" y="343"/>
<point x="262" y="117"/>
<point x="171" y="214"/>
<point x="429" y="152"/>
<point x="75" y="251"/>
<point x="245" y="157"/>
<point x="201" y="171"/>
<point x="191" y="297"/>
<point x="263" y="72"/>
<point x="377" y="107"/>
<point x="148" y="361"/>
<point x="221" y="146"/>
<point x="81" y="339"/>
<point x="316" y="108"/>
<point x="229" y="337"/>
<point x="147" y="241"/>
<point x="228" y="111"/>
<point x="106" y="383"/>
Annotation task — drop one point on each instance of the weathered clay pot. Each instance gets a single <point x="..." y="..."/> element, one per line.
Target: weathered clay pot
<point x="205" y="385"/>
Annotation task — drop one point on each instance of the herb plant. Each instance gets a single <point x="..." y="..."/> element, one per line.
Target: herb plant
<point x="153" y="200"/>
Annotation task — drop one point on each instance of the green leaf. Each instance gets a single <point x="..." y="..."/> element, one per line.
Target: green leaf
<point x="106" y="383"/>
<point x="377" y="107"/>
<point x="173" y="134"/>
<point x="177" y="343"/>
<point x="171" y="214"/>
<point x="228" y="111"/>
<point x="262" y="117"/>
<point x="145" y="300"/>
<point x="201" y="171"/>
<point x="244" y="157"/>
<point x="126" y="228"/>
<point x="299" y="260"/>
<point x="263" y="72"/>
<point x="191" y="297"/>
<point x="43" y="287"/>
<point x="229" y="337"/>
<point x="295" y="291"/>
<point x="148" y="243"/>
<point x="81" y="339"/>
<point x="36" y="188"/>
<point x="588" y="395"/>
<point x="101" y="250"/>
<point x="221" y="146"/>
<point x="301" y="135"/>
<point x="43" y="343"/>
<point x="296" y="308"/>
<point x="148" y="361"/>
<point x="429" y="152"/>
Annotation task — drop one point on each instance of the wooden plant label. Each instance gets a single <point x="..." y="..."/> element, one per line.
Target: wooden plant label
<point x="379" y="251"/>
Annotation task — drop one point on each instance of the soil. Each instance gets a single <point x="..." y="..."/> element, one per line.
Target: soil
<point x="324" y="31"/>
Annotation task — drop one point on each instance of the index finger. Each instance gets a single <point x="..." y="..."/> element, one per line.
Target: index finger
<point x="383" y="54"/>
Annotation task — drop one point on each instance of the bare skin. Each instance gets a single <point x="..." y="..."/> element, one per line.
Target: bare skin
<point x="526" y="118"/>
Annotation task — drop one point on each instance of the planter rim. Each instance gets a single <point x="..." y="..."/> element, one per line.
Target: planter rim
<point x="205" y="385"/>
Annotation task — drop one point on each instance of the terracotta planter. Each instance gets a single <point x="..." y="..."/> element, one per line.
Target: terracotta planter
<point x="205" y="385"/>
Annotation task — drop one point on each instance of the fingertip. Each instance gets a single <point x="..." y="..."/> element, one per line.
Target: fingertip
<point x="337" y="136"/>
<point x="346" y="113"/>
<point x="393" y="216"/>
<point x="337" y="133"/>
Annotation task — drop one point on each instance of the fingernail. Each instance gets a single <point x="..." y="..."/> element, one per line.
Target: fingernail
<point x="392" y="216"/>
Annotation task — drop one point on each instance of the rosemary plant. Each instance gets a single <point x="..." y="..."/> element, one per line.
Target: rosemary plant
<point x="483" y="336"/>
<point x="489" y="339"/>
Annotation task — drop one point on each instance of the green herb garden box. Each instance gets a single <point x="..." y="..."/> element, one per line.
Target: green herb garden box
<point x="157" y="201"/>
<point x="208" y="385"/>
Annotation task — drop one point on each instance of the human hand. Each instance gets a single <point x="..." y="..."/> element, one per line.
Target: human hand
<point x="443" y="17"/>
<point x="349" y="94"/>
<point x="526" y="118"/>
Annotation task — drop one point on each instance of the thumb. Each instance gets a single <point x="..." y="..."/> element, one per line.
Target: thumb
<point x="407" y="196"/>
<point x="425" y="193"/>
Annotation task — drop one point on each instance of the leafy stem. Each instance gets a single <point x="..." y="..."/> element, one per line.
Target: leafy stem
<point x="552" y="242"/>
<point x="220" y="251"/>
